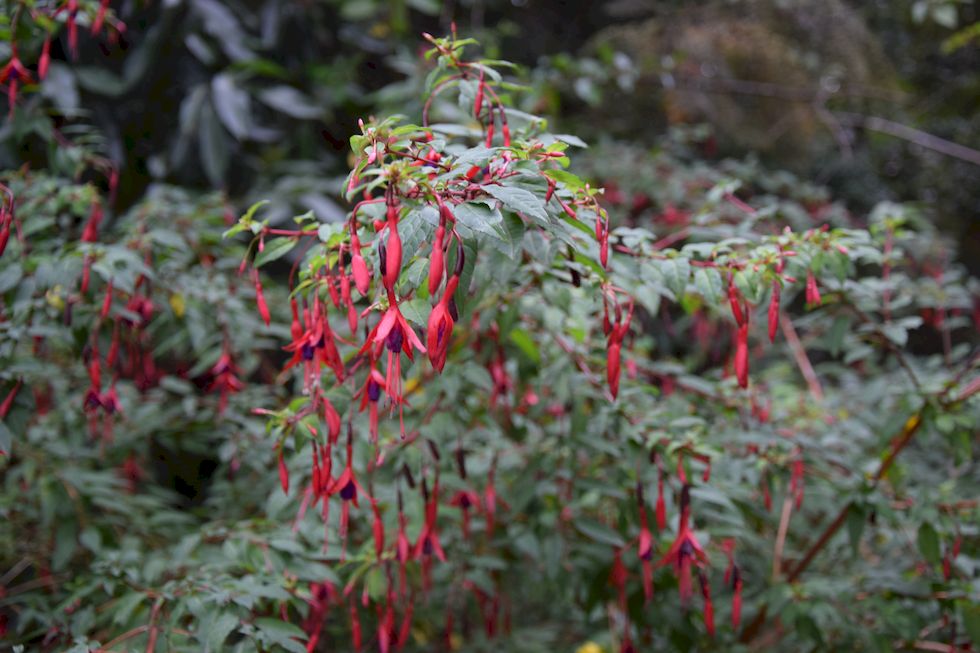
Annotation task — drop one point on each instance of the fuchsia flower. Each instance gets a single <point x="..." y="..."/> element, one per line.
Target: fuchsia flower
<point x="812" y="291"/>
<point x="314" y="347"/>
<point x="440" y="329"/>
<point x="8" y="401"/>
<point x="615" y="334"/>
<point x="709" y="608"/>
<point x="466" y="500"/>
<point x="224" y="378"/>
<point x="733" y="578"/>
<point x="428" y="542"/>
<point x="369" y="393"/>
<point x="348" y="487"/>
<point x="362" y="278"/>
<point x="45" y="60"/>
<point x="394" y="332"/>
<point x="686" y="551"/>
<point x="260" y="298"/>
<point x="393" y="250"/>
<point x="742" y="355"/>
<point x="403" y="548"/>
<point x="283" y="473"/>
<point x="13" y="74"/>
<point x="321" y="596"/>
<point x="735" y="300"/>
<point x="378" y="528"/>
<point x="774" y="310"/>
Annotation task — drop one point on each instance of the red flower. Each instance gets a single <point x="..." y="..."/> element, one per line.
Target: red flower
<point x="379" y="530"/>
<point x="735" y="299"/>
<point x="393" y="250"/>
<point x="686" y="551"/>
<point x="616" y="332"/>
<point x="428" y="542"/>
<point x="224" y="378"/>
<point x="774" y="310"/>
<point x="812" y="291"/>
<point x="314" y="347"/>
<point x="709" y="609"/>
<point x="465" y="500"/>
<point x="260" y="298"/>
<point x="397" y="336"/>
<point x="734" y="578"/>
<point x="440" y="329"/>
<point x="362" y="278"/>
<point x="12" y="74"/>
<point x="347" y="486"/>
<point x="283" y="473"/>
<point x="742" y="355"/>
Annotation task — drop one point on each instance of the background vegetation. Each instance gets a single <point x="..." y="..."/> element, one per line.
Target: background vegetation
<point x="828" y="470"/>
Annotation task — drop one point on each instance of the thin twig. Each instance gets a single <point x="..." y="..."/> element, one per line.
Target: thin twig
<point x="122" y="638"/>
<point x="777" y="555"/>
<point x="802" y="360"/>
<point x="912" y="135"/>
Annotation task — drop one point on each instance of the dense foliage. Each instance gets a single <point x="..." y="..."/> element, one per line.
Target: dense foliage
<point x="492" y="386"/>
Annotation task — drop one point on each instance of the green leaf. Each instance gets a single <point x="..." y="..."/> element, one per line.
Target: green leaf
<point x="520" y="201"/>
<point x="709" y="284"/>
<point x="855" y="527"/>
<point x="599" y="532"/>
<point x="279" y="632"/>
<point x="570" y="181"/>
<point x="523" y="340"/>
<point x="221" y="627"/>
<point x="252" y="210"/>
<point x="274" y="250"/>
<point x="970" y="613"/>
<point x="928" y="541"/>
<point x="416" y="310"/>
<point x="480" y="218"/>
<point x="676" y="273"/>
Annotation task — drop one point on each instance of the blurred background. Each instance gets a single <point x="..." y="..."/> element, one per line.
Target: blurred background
<point x="874" y="99"/>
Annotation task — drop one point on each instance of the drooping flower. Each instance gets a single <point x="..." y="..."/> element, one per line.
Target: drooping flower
<point x="465" y="500"/>
<point x="393" y="250"/>
<point x="709" y="608"/>
<point x="428" y="541"/>
<point x="774" y="310"/>
<point x="440" y="328"/>
<point x="733" y="578"/>
<point x="685" y="552"/>
<point x="735" y="300"/>
<point x="224" y="378"/>
<point x="348" y="487"/>
<point x="397" y="336"/>
<point x="315" y="346"/>
<point x="13" y="74"/>
<point x="742" y="355"/>
<point x="283" y="473"/>
<point x="260" y="298"/>
<point x="812" y="291"/>
<point x="321" y="596"/>
<point x="616" y="332"/>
